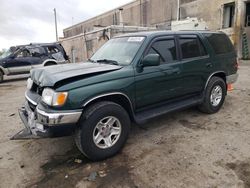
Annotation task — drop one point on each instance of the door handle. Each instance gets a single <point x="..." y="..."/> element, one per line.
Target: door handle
<point x="209" y="65"/>
<point x="172" y="71"/>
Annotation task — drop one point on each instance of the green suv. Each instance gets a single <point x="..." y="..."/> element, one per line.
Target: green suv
<point x="131" y="78"/>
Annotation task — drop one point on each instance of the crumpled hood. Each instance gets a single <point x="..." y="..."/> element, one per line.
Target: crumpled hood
<point x="49" y="76"/>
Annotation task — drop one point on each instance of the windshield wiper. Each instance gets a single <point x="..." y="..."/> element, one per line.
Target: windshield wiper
<point x="108" y="61"/>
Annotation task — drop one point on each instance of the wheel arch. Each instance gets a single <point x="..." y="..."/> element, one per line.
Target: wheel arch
<point x="49" y="61"/>
<point x="116" y="97"/>
<point x="220" y="74"/>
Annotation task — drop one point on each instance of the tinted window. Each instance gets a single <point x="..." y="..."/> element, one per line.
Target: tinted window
<point x="220" y="43"/>
<point x="191" y="48"/>
<point x="166" y="49"/>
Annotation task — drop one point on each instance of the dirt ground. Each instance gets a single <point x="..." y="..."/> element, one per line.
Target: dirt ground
<point x="182" y="149"/>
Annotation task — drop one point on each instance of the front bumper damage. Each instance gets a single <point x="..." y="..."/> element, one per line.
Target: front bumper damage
<point x="41" y="124"/>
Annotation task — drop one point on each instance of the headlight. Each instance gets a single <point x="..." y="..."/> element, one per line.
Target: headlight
<point x="53" y="98"/>
<point x="29" y="84"/>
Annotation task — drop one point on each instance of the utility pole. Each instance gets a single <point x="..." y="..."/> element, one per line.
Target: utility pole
<point x="56" y="24"/>
<point x="178" y="10"/>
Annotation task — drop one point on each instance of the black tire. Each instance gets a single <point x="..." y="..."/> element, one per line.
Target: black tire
<point x="207" y="105"/>
<point x="87" y="124"/>
<point x="1" y="76"/>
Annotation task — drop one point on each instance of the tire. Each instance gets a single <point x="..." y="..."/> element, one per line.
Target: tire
<point x="212" y="104"/>
<point x="1" y="76"/>
<point x="87" y="130"/>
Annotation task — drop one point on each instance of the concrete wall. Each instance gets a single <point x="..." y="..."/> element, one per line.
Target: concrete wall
<point x="159" y="13"/>
<point x="136" y="13"/>
<point x="84" y="45"/>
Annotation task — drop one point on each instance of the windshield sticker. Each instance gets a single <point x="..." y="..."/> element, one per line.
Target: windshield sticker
<point x="135" y="39"/>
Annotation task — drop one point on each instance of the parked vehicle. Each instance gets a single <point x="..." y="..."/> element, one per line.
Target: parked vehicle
<point x="21" y="59"/>
<point x="134" y="77"/>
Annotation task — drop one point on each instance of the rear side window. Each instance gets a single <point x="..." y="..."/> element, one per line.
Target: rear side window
<point x="166" y="49"/>
<point x="220" y="43"/>
<point x="52" y="49"/>
<point x="191" y="48"/>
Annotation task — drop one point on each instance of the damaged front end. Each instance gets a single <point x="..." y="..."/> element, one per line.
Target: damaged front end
<point x="32" y="129"/>
<point x="41" y="122"/>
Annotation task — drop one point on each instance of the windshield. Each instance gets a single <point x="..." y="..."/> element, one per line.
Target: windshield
<point x="121" y="50"/>
<point x="6" y="54"/>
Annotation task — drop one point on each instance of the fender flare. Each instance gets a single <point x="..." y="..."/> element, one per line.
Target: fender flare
<point x="209" y="78"/>
<point x="128" y="103"/>
<point x="49" y="60"/>
<point x="108" y="94"/>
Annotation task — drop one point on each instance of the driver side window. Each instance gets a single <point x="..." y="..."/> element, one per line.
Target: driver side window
<point x="23" y="53"/>
<point x="166" y="49"/>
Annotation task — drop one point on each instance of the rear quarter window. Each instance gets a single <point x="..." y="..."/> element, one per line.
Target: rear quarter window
<point x="220" y="43"/>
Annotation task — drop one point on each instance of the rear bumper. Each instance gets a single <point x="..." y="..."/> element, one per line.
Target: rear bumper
<point x="232" y="78"/>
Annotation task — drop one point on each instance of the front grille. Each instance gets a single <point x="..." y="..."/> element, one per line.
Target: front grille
<point x="35" y="88"/>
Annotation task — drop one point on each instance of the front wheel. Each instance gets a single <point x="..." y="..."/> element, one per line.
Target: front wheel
<point x="103" y="130"/>
<point x="214" y="96"/>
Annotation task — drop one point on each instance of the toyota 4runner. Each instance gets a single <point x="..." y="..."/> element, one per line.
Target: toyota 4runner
<point x="131" y="78"/>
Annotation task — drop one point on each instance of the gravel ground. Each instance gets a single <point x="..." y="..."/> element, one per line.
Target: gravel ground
<point x="182" y="149"/>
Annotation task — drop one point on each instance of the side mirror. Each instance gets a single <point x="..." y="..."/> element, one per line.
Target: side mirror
<point x="151" y="60"/>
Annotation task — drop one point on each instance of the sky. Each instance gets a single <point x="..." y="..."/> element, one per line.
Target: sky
<point x="23" y="22"/>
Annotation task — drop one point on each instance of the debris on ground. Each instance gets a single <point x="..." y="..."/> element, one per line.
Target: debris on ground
<point x="79" y="161"/>
<point x="102" y="173"/>
<point x="92" y="176"/>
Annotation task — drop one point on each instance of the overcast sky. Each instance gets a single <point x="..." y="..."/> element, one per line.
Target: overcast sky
<point x="23" y="22"/>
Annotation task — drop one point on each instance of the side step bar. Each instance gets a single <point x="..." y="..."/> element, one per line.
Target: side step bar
<point x="144" y="116"/>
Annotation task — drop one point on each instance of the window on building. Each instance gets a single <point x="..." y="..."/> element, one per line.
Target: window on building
<point x="166" y="49"/>
<point x="247" y="14"/>
<point x="191" y="48"/>
<point x="228" y="15"/>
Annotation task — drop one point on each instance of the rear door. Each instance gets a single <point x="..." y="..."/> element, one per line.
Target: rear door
<point x="196" y="63"/>
<point x="37" y="56"/>
<point x="159" y="83"/>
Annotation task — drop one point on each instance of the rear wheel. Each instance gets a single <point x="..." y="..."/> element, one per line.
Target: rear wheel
<point x="214" y="96"/>
<point x="103" y="130"/>
<point x="1" y="76"/>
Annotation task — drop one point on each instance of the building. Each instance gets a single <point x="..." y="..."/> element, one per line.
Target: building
<point x="229" y="16"/>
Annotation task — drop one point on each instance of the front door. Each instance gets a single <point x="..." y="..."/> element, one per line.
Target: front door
<point x="158" y="84"/>
<point x="21" y="63"/>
